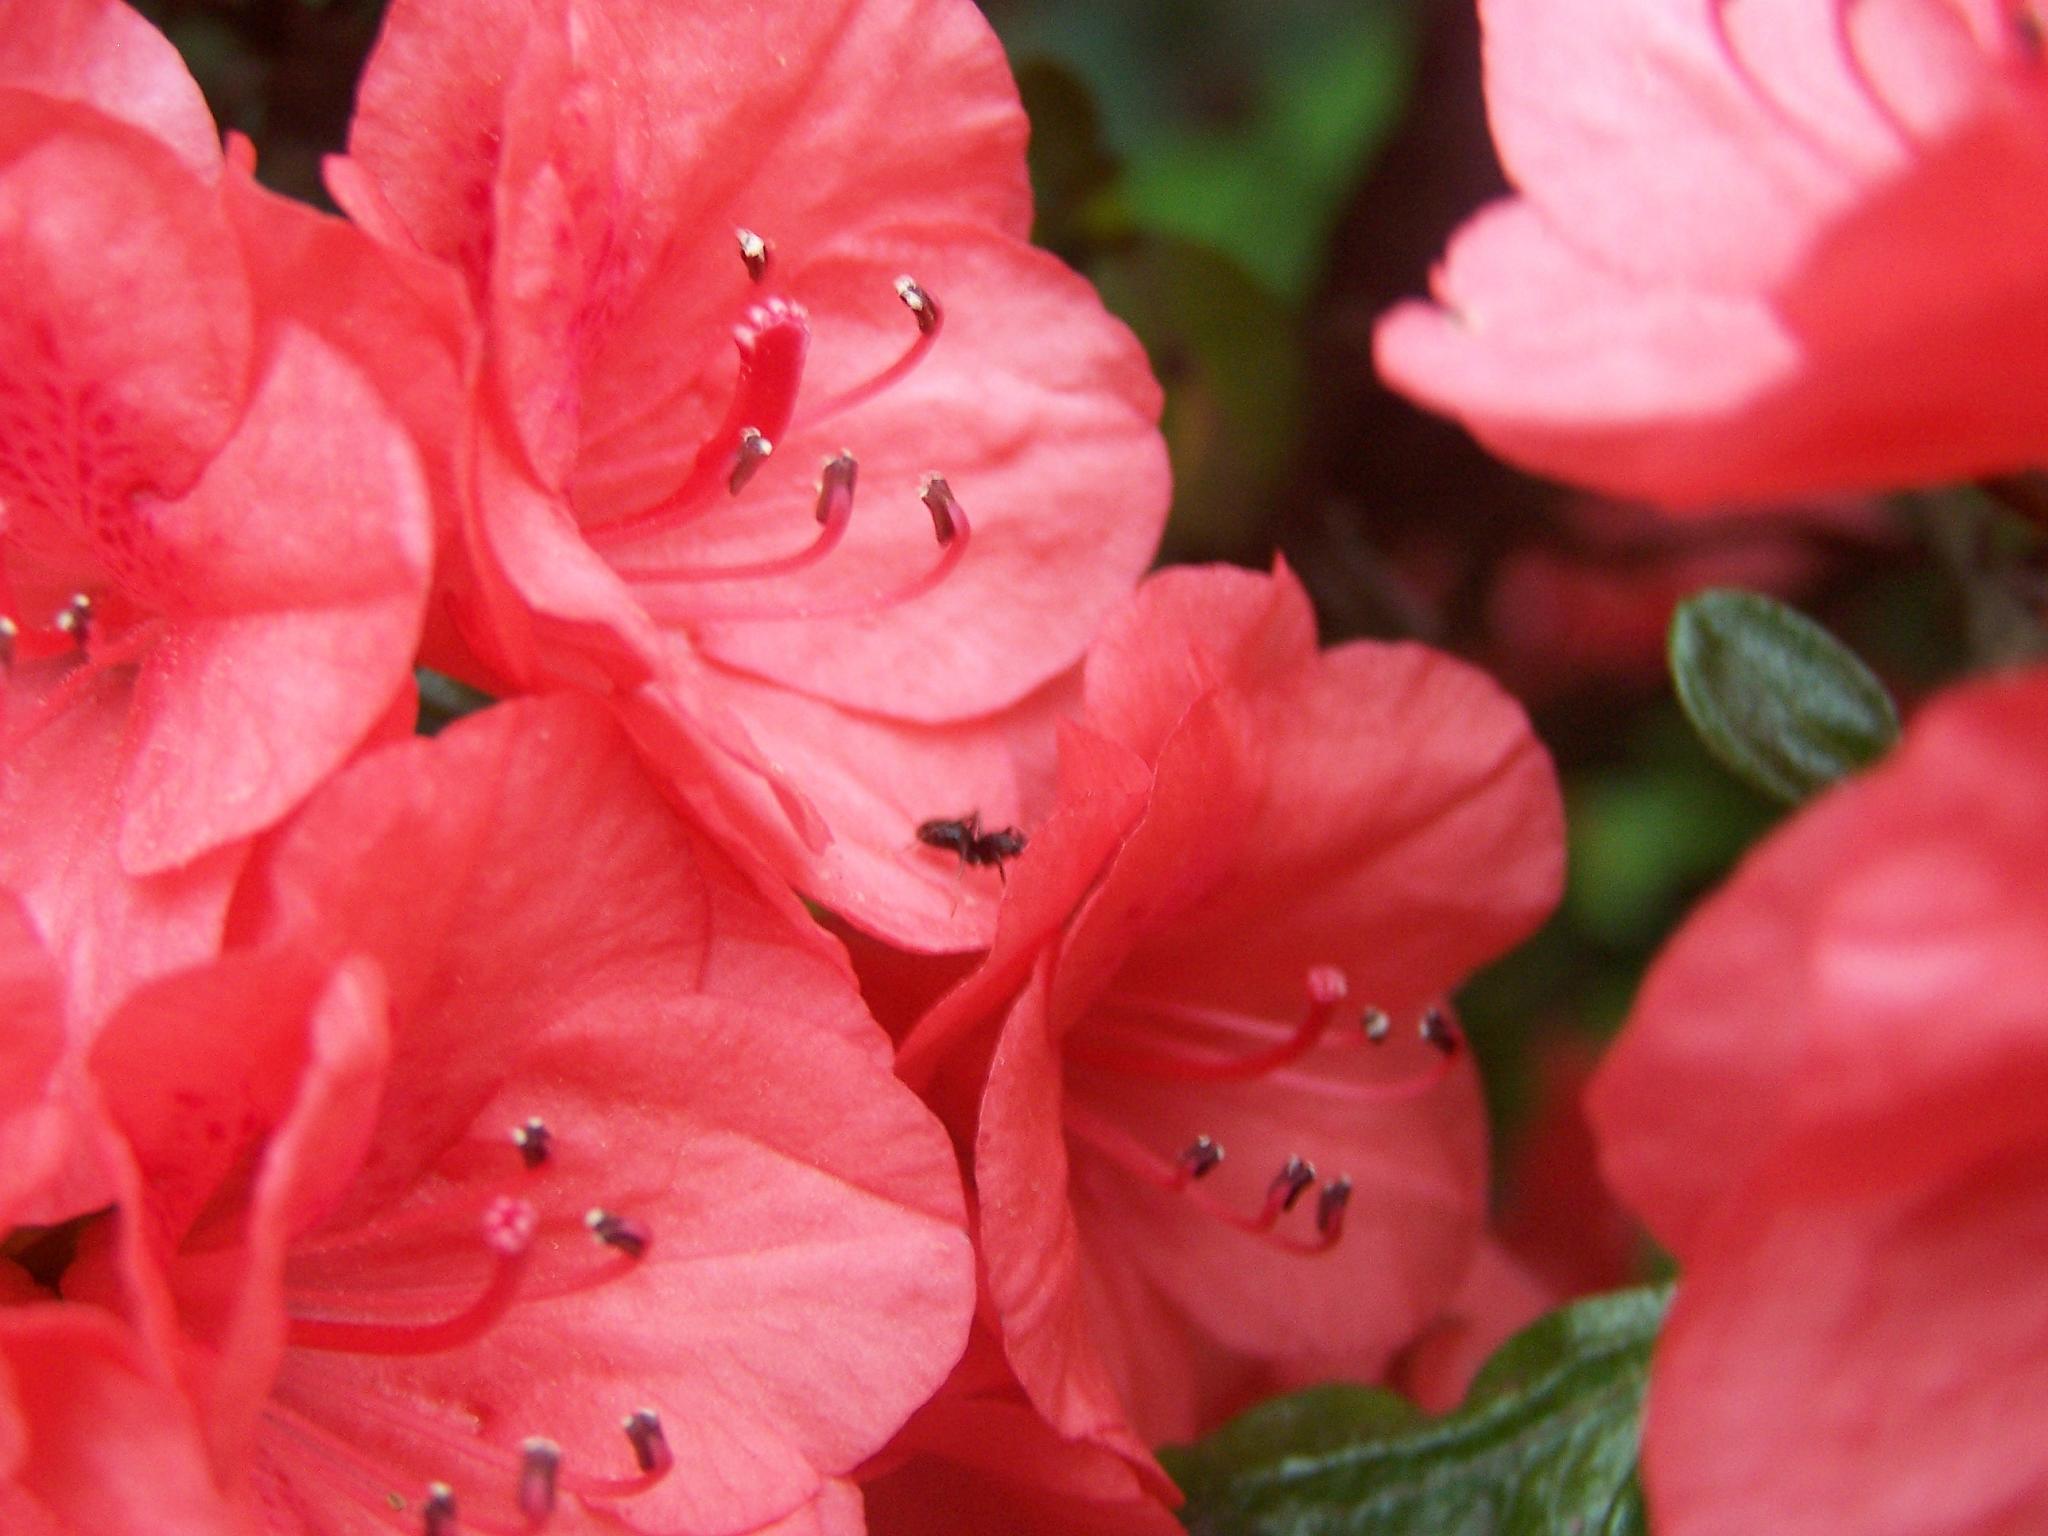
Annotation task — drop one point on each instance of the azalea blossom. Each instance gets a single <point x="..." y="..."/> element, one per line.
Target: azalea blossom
<point x="1828" y="1105"/>
<point x="522" y="1168"/>
<point x="779" y="432"/>
<point x="214" y="538"/>
<point x="1225" y="1136"/>
<point x="1760" y="247"/>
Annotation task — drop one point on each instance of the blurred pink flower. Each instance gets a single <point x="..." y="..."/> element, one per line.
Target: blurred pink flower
<point x="1761" y="248"/>
<point x="1828" y="1105"/>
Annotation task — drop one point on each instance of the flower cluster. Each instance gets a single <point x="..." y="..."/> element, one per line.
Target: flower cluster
<point x="484" y="1132"/>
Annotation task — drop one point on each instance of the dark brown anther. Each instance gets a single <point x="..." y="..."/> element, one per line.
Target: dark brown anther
<point x="437" y="1515"/>
<point x="753" y="452"/>
<point x="536" y="1143"/>
<point x="9" y="633"/>
<point x="922" y="306"/>
<point x="1201" y="1157"/>
<point x="835" y="486"/>
<point x="1330" y="1206"/>
<point x="755" y="252"/>
<point x="650" y="1445"/>
<point x="937" y="497"/>
<point x="1290" y="1183"/>
<point x="1377" y="1025"/>
<point x="629" y="1237"/>
<point x="1439" y="1031"/>
<point x="539" y="1461"/>
<point x="75" y="619"/>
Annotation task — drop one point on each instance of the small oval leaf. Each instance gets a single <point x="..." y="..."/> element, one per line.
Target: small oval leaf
<point x="1544" y="1445"/>
<point x="1777" y="698"/>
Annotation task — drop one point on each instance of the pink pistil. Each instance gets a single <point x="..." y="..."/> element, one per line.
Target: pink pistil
<point x="1326" y="988"/>
<point x="773" y="343"/>
<point x="508" y="1234"/>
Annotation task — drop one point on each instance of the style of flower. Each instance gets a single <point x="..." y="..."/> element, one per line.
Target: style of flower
<point x="1225" y="1135"/>
<point x="521" y="1167"/>
<point x="1828" y="1105"/>
<point x="215" y="546"/>
<point x="1761" y="248"/>
<point x="710" y="250"/>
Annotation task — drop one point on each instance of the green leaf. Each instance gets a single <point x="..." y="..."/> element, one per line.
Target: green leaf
<point x="1544" y="1445"/>
<point x="1776" y="697"/>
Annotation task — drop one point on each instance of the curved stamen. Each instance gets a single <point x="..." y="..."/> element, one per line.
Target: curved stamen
<point x="753" y="451"/>
<point x="1200" y="1158"/>
<point x="508" y="1233"/>
<point x="924" y="309"/>
<point x="437" y="1513"/>
<point x="1118" y="1147"/>
<point x="773" y="343"/>
<point x="835" y="515"/>
<point x="1331" y="1204"/>
<point x="622" y="1233"/>
<point x="536" y="1143"/>
<point x="949" y="522"/>
<point x="100" y="654"/>
<point x="650" y="1453"/>
<point x="756" y="253"/>
<point x="1437" y="1029"/>
<point x="540" y="1461"/>
<point x="1326" y="987"/>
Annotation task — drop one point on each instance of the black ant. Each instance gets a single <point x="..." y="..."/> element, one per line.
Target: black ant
<point x="963" y="835"/>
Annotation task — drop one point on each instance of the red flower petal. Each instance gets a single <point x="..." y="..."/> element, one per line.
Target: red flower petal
<point x="1891" y="935"/>
<point x="306" y="548"/>
<point x="124" y="347"/>
<point x="915" y="93"/>
<point x="1760" y="250"/>
<point x="101" y="54"/>
<point x="1850" y="1367"/>
<point x="90" y="1443"/>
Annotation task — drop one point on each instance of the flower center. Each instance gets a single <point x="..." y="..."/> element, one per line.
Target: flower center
<point x="515" y="1491"/>
<point x="774" y="340"/>
<point x="1143" y="1038"/>
<point x="97" y="633"/>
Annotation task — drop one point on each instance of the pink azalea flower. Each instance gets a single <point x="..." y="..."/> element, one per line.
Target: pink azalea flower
<point x="1828" y="1104"/>
<point x="710" y="251"/>
<point x="213" y="537"/>
<point x="1761" y="247"/>
<point x="521" y="1147"/>
<point x="1224" y="1136"/>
